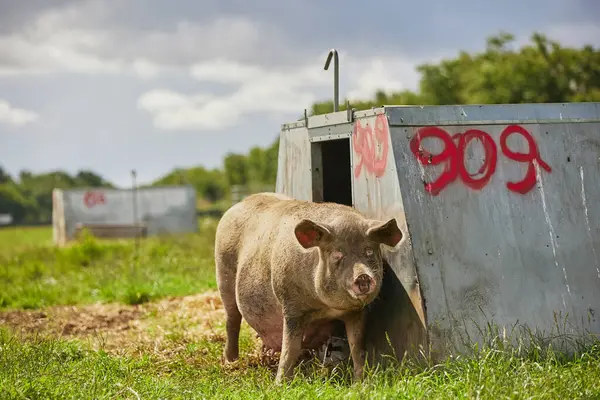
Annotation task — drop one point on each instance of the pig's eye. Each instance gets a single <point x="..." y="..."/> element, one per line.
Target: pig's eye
<point x="369" y="251"/>
<point x="337" y="255"/>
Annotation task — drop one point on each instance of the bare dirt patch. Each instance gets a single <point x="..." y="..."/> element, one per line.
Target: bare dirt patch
<point x="163" y="328"/>
<point x="120" y="327"/>
<point x="73" y="321"/>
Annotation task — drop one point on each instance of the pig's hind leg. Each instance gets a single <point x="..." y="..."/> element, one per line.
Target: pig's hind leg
<point x="226" y="281"/>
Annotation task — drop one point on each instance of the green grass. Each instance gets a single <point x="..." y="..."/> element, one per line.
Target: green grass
<point x="34" y="273"/>
<point x="52" y="368"/>
<point x="170" y="354"/>
<point x="18" y="239"/>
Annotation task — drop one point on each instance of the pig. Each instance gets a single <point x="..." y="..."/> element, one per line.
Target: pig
<point x="293" y="268"/>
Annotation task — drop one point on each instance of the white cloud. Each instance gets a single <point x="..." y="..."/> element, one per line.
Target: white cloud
<point x="232" y="37"/>
<point x="231" y="50"/>
<point x="178" y="111"/>
<point x="223" y="71"/>
<point x="15" y="116"/>
<point x="59" y="40"/>
<point x="259" y="90"/>
<point x="79" y="39"/>
<point x="389" y="75"/>
<point x="145" y="69"/>
<point x="275" y="91"/>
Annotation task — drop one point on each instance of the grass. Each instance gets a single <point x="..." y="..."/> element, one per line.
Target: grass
<point x="34" y="273"/>
<point x="19" y="239"/>
<point x="52" y="368"/>
<point x="145" y="344"/>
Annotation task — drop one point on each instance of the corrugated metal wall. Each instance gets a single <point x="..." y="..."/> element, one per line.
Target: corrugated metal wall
<point x="505" y="227"/>
<point x="293" y="165"/>
<point x="164" y="210"/>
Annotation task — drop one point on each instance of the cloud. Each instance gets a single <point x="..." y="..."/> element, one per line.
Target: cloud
<point x="15" y="116"/>
<point x="59" y="40"/>
<point x="259" y="68"/>
<point x="387" y="74"/>
<point x="258" y="90"/>
<point x="223" y="71"/>
<point x="274" y="91"/>
<point x="190" y="42"/>
<point x="79" y="38"/>
<point x="172" y="111"/>
<point x="145" y="69"/>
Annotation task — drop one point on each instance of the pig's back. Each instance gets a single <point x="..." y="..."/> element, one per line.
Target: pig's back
<point x="246" y="225"/>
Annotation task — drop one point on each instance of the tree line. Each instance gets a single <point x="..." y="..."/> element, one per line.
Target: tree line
<point x="28" y="197"/>
<point x="542" y="71"/>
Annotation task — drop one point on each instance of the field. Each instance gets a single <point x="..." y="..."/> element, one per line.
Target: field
<point x="108" y="319"/>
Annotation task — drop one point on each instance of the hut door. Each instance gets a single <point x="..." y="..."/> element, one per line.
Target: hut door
<point x="332" y="179"/>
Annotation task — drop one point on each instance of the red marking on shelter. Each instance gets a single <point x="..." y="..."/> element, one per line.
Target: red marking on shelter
<point x="533" y="155"/>
<point x="365" y="142"/>
<point x="91" y="199"/>
<point x="452" y="156"/>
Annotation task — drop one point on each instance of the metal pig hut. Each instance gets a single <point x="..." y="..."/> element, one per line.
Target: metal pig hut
<point x="498" y="205"/>
<point x="119" y="213"/>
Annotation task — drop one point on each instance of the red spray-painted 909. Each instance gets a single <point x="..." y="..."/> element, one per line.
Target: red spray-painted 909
<point x="365" y="146"/>
<point x="453" y="157"/>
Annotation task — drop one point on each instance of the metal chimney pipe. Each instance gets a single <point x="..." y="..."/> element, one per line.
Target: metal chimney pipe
<point x="336" y="77"/>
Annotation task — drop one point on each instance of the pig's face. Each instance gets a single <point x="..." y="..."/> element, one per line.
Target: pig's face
<point x="350" y="271"/>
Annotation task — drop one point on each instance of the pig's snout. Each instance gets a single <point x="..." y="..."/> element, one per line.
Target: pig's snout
<point x="363" y="285"/>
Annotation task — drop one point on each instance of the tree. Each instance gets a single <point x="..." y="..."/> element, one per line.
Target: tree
<point x="209" y="184"/>
<point x="13" y="202"/>
<point x="540" y="72"/>
<point x="30" y="198"/>
<point x="236" y="169"/>
<point x="256" y="161"/>
<point x="271" y="157"/>
<point x="90" y="179"/>
<point x="4" y="176"/>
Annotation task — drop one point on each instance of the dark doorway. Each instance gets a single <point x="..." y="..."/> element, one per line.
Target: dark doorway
<point x="332" y="179"/>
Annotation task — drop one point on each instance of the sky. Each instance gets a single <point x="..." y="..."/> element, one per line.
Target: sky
<point x="116" y="85"/>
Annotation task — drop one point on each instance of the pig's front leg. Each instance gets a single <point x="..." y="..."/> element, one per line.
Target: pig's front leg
<point x="355" y="331"/>
<point x="291" y="347"/>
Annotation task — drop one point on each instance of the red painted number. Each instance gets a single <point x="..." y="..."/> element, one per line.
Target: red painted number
<point x="91" y="199"/>
<point x="365" y="146"/>
<point x="447" y="156"/>
<point x="452" y="156"/>
<point x="533" y="155"/>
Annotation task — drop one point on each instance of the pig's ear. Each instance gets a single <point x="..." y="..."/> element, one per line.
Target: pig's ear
<point x="310" y="233"/>
<point x="387" y="233"/>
